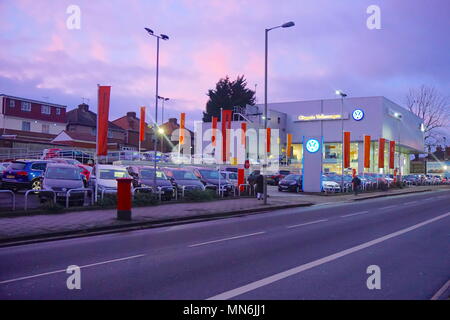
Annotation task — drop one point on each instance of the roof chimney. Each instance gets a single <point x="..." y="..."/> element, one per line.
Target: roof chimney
<point x="83" y="107"/>
<point x="131" y="114"/>
<point x="173" y="120"/>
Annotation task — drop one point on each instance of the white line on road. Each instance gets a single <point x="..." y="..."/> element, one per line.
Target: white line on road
<point x="388" y="207"/>
<point x="410" y="202"/>
<point x="441" y="291"/>
<point x="226" y="239"/>
<point x="354" y="214"/>
<point x="307" y="223"/>
<point x="64" y="270"/>
<point x="279" y="276"/>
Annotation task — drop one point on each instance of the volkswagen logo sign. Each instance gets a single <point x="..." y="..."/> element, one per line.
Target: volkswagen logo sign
<point x="358" y="115"/>
<point x="312" y="145"/>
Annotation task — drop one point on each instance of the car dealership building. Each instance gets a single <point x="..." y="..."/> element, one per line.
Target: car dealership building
<point x="362" y="118"/>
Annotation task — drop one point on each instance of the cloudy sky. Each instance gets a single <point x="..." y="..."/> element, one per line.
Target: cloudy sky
<point x="329" y="48"/>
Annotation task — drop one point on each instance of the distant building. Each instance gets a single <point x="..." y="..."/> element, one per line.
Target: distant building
<point x="171" y="135"/>
<point x="81" y="131"/>
<point x="29" y="124"/>
<point x="130" y="123"/>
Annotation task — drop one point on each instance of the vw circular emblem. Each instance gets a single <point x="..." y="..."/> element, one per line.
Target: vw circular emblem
<point x="358" y="114"/>
<point x="312" y="145"/>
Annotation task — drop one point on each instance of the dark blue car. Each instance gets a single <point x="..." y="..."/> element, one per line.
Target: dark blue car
<point x="24" y="174"/>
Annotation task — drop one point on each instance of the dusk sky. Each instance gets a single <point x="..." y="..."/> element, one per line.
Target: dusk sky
<point x="329" y="48"/>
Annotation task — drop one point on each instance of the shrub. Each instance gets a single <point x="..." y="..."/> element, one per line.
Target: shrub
<point x="51" y="207"/>
<point x="199" y="195"/>
<point x="109" y="200"/>
<point x="145" y="199"/>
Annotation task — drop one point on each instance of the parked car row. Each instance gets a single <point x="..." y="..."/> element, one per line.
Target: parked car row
<point x="60" y="175"/>
<point x="28" y="174"/>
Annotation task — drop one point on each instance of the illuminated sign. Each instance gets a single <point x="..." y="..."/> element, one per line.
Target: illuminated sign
<point x="319" y="117"/>
<point x="312" y="145"/>
<point x="358" y="114"/>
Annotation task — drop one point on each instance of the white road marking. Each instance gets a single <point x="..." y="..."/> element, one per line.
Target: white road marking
<point x="307" y="223"/>
<point x="410" y="202"/>
<point x="441" y="291"/>
<point x="388" y="207"/>
<point x="282" y="275"/>
<point x="354" y="214"/>
<point x="64" y="270"/>
<point x="226" y="239"/>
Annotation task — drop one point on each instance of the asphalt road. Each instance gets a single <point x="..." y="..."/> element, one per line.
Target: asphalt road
<point x="319" y="252"/>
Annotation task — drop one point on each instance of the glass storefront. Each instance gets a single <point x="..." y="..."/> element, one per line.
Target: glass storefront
<point x="332" y="158"/>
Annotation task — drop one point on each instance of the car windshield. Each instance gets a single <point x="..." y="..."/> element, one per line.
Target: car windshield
<point x="72" y="161"/>
<point x="209" y="174"/>
<point x="292" y="177"/>
<point x="63" y="173"/>
<point x="112" y="174"/>
<point x="183" y="175"/>
<point x="284" y="172"/>
<point x="150" y="173"/>
<point x="16" y="166"/>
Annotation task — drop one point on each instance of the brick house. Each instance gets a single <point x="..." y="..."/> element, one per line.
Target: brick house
<point x="130" y="123"/>
<point x="29" y="125"/>
<point x="81" y="131"/>
<point x="169" y="127"/>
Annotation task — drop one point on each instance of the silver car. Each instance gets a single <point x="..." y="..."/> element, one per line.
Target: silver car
<point x="60" y="178"/>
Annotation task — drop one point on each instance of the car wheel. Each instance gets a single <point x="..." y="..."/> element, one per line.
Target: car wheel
<point x="36" y="185"/>
<point x="279" y="189"/>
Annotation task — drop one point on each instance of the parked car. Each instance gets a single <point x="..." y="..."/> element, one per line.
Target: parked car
<point x="50" y="153"/>
<point x="106" y="177"/>
<point x="144" y="177"/>
<point x="183" y="178"/>
<point x="85" y="169"/>
<point x="230" y="176"/>
<point x="60" y="178"/>
<point x="24" y="174"/>
<point x="213" y="180"/>
<point x="275" y="178"/>
<point x="292" y="182"/>
<point x="4" y="165"/>
<point x="329" y="185"/>
<point x="83" y="157"/>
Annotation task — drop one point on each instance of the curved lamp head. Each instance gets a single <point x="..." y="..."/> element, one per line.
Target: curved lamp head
<point x="164" y="37"/>
<point x="149" y="30"/>
<point x="288" y="24"/>
<point x="340" y="93"/>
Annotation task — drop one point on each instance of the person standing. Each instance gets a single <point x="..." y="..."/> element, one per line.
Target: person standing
<point x="356" y="182"/>
<point x="260" y="187"/>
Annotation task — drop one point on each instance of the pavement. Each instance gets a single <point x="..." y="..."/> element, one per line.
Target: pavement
<point x="325" y="251"/>
<point x="27" y="228"/>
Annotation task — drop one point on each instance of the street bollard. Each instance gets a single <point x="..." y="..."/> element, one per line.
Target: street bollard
<point x="124" y="199"/>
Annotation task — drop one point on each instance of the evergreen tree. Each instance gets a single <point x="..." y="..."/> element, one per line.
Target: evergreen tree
<point x="226" y="95"/>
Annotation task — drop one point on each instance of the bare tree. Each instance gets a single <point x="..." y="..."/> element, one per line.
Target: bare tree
<point x="432" y="107"/>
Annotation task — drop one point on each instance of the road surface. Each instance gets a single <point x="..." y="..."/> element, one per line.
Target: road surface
<point x="319" y="252"/>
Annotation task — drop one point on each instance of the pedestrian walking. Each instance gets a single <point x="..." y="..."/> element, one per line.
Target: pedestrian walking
<point x="356" y="182"/>
<point x="260" y="187"/>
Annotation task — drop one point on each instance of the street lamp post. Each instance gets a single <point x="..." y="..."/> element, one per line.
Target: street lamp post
<point x="155" y="128"/>
<point x="162" y="119"/>
<point x="285" y="25"/>
<point x="342" y="95"/>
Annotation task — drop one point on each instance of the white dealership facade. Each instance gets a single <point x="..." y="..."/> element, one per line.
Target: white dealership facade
<point x="377" y="117"/>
